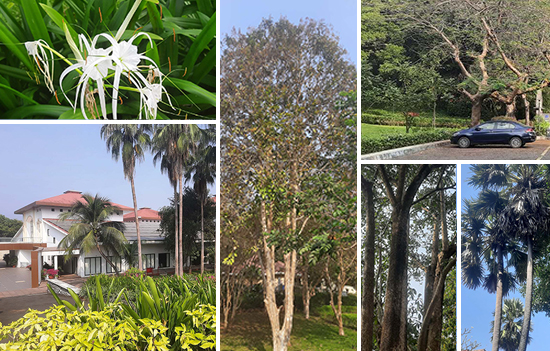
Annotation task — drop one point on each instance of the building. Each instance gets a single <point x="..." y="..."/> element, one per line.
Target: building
<point x="44" y="230"/>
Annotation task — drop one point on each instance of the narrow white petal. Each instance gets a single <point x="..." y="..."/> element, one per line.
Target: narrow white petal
<point x="101" y="94"/>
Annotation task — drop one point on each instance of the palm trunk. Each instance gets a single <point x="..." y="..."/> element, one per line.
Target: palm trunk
<point x="98" y="247"/>
<point x="528" y="296"/>
<point x="140" y="260"/>
<point x="202" y="237"/>
<point x="498" y="307"/>
<point x="180" y="241"/>
<point x="176" y="232"/>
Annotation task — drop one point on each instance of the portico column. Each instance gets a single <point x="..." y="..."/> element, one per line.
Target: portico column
<point x="55" y="262"/>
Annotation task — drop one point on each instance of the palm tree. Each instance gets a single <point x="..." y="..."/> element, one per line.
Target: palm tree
<point x="524" y="216"/>
<point x="93" y="227"/>
<point x="527" y="215"/>
<point x="202" y="171"/>
<point x="129" y="142"/>
<point x="512" y="323"/>
<point x="176" y="142"/>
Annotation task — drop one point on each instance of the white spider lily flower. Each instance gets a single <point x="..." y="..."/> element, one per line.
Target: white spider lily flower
<point x="36" y="50"/>
<point x="96" y="66"/>
<point x="126" y="60"/>
<point x="151" y="95"/>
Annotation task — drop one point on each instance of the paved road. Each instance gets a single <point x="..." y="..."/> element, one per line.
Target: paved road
<point x="539" y="150"/>
<point x="14" y="278"/>
<point x="13" y="308"/>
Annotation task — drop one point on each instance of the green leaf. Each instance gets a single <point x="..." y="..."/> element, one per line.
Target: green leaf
<point x="202" y="41"/>
<point x="35" y="21"/>
<point x="59" y="20"/>
<point x="154" y="17"/>
<point x="34" y="111"/>
<point x="15" y="46"/>
<point x="193" y="88"/>
<point x="13" y="91"/>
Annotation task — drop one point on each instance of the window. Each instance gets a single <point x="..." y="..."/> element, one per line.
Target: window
<point x="53" y="209"/>
<point x="116" y="262"/>
<point x="485" y="126"/>
<point x="92" y="265"/>
<point x="149" y="261"/>
<point x="60" y="210"/>
<point x="54" y="239"/>
<point x="164" y="260"/>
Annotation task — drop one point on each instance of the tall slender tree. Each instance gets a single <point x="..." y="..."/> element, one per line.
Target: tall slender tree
<point x="129" y="141"/>
<point x="201" y="170"/>
<point x="176" y="142"/>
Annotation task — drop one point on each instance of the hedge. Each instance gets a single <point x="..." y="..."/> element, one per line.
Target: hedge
<point x="387" y="142"/>
<point x="397" y="119"/>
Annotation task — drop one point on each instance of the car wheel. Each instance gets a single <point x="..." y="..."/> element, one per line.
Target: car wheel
<point x="516" y="142"/>
<point x="464" y="142"/>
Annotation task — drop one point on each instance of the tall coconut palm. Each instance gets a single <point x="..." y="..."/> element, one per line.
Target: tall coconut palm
<point x="176" y="142"/>
<point x="128" y="141"/>
<point x="93" y="228"/>
<point x="201" y="170"/>
<point x="512" y="323"/>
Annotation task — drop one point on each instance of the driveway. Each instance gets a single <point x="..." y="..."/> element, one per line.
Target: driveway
<point x="13" y="308"/>
<point x="539" y="150"/>
<point x="14" y="278"/>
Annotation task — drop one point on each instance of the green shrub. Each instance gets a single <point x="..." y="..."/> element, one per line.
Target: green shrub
<point x="382" y="117"/>
<point x="387" y="142"/>
<point x="541" y="126"/>
<point x="186" y="307"/>
<point x="57" y="329"/>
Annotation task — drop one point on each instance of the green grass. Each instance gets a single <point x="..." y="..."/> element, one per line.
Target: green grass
<point x="251" y="331"/>
<point x="385" y="117"/>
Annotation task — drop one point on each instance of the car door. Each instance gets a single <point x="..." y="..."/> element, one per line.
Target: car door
<point x="483" y="133"/>
<point x="503" y="132"/>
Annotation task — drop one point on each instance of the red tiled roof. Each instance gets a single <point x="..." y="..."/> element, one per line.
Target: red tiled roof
<point x="67" y="199"/>
<point x="143" y="213"/>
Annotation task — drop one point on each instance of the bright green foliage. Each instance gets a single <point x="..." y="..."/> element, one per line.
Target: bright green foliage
<point x="386" y="142"/>
<point x="184" y="48"/>
<point x="57" y="329"/>
<point x="186" y="307"/>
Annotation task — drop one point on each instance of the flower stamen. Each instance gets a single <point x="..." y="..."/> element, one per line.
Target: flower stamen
<point x="100" y="16"/>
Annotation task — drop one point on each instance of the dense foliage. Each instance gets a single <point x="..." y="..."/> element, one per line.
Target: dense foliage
<point x="182" y="46"/>
<point x="384" y="142"/>
<point x="8" y="226"/>
<point x="167" y="313"/>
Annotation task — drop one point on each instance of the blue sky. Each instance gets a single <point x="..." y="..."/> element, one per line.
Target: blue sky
<point x="342" y="15"/>
<point x="478" y="305"/>
<point x="41" y="160"/>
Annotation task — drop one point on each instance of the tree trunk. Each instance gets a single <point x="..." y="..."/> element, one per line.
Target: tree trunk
<point x="306" y="297"/>
<point x="367" y="317"/>
<point x="98" y="247"/>
<point x="202" y="237"/>
<point x="539" y="103"/>
<point x="511" y="110"/>
<point x="498" y="307"/>
<point x="438" y="294"/>
<point x="140" y="259"/>
<point x="176" y="232"/>
<point x="527" y="105"/>
<point x="436" y="324"/>
<point x="180" y="239"/>
<point x="528" y="296"/>
<point x="397" y="278"/>
<point x="434" y="113"/>
<point x="476" y="111"/>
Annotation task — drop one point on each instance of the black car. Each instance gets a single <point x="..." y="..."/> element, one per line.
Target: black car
<point x="495" y="132"/>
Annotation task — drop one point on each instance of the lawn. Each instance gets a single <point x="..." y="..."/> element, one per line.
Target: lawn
<point x="251" y="331"/>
